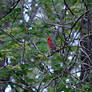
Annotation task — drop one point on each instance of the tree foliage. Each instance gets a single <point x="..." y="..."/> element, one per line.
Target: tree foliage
<point x="26" y="63"/>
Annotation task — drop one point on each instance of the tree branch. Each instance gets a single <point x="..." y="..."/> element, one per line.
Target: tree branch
<point x="10" y="10"/>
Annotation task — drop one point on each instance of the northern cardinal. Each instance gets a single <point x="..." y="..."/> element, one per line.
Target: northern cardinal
<point x="51" y="44"/>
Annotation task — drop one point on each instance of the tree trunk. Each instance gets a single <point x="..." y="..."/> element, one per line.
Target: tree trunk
<point x="86" y="43"/>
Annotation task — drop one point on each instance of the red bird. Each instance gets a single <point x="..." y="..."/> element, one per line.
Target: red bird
<point x="51" y="44"/>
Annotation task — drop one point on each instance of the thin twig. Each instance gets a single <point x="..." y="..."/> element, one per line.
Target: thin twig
<point x="80" y="18"/>
<point x="68" y="7"/>
<point x="85" y="4"/>
<point x="10" y="10"/>
<point x="11" y="36"/>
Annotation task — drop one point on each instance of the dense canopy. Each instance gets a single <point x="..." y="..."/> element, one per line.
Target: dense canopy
<point x="28" y="63"/>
